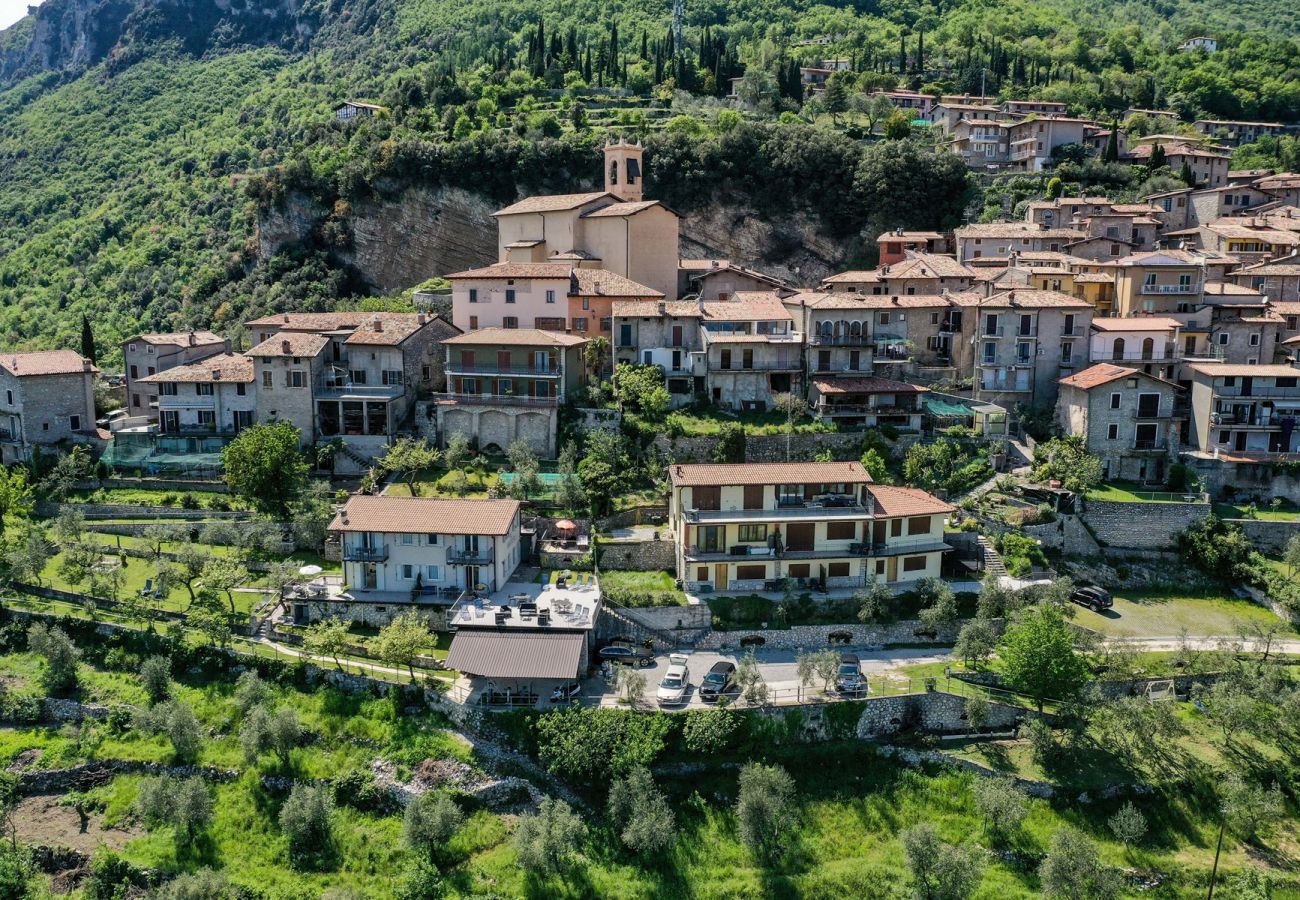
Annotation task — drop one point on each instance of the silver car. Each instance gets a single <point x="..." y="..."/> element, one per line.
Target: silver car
<point x="676" y="682"/>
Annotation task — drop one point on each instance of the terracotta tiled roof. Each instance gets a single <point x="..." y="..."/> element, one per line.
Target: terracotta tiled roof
<point x="233" y="367"/>
<point x="391" y="329"/>
<point x="749" y="306"/>
<point x="681" y="309"/>
<point x="517" y="270"/>
<point x="1096" y="376"/>
<point x="1094" y="278"/>
<point x="1017" y="230"/>
<point x="909" y="236"/>
<point x="693" y="265"/>
<point x="866" y="385"/>
<point x="709" y="474"/>
<point x="426" y="515"/>
<point x="291" y="343"/>
<point x="1136" y="323"/>
<point x="178" y="338"/>
<point x="551" y="203"/>
<point x="515" y="337"/>
<point x="604" y="283"/>
<point x="904" y="501"/>
<point x="591" y="282"/>
<point x="1229" y="289"/>
<point x="1023" y="298"/>
<point x="710" y="271"/>
<point x="919" y="265"/>
<point x="1287" y="308"/>
<point x="343" y="320"/>
<point x="45" y="362"/>
<point x="621" y="209"/>
<point x="1161" y="258"/>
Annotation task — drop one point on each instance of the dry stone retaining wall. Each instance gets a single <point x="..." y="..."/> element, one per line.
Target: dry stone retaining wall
<point x="1141" y="526"/>
<point x="1268" y="535"/>
<point x="762" y="448"/>
<point x="637" y="556"/>
<point x="797" y="637"/>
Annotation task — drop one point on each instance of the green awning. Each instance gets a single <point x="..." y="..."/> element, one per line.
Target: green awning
<point x="941" y="409"/>
<point x="890" y="342"/>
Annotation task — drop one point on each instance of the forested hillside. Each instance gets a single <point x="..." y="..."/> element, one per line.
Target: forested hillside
<point x="140" y="143"/>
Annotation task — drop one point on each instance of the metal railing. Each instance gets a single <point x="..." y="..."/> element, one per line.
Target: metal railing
<point x="840" y="340"/>
<point x="1170" y="289"/>
<point x="487" y="368"/>
<point x="498" y="399"/>
<point x="1166" y="355"/>
<point x="1266" y="393"/>
<point x="463" y="557"/>
<point x="1159" y="444"/>
<point x="365" y="554"/>
<point x="784" y="512"/>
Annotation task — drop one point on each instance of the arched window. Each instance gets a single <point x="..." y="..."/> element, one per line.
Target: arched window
<point x="613" y="172"/>
<point x="855" y="329"/>
<point x="1119" y="348"/>
<point x="1148" y="348"/>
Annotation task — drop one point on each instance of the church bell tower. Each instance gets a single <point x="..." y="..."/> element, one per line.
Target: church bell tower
<point x="624" y="169"/>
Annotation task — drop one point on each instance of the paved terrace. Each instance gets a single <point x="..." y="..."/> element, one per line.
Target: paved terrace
<point x="570" y="603"/>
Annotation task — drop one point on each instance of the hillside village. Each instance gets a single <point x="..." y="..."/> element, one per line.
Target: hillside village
<point x="1026" y="491"/>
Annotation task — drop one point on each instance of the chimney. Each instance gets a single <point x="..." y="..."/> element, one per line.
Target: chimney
<point x="422" y="318"/>
<point x="284" y="347"/>
<point x="663" y="308"/>
<point x="713" y="263"/>
<point x="216" y="374"/>
<point x="286" y="318"/>
<point x="597" y="287"/>
<point x="193" y="340"/>
<point x="379" y="324"/>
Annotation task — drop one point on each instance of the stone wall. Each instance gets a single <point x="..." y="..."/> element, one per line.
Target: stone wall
<point x="763" y="448"/>
<point x="934" y="711"/>
<point x="127" y="511"/>
<point x="1267" y="535"/>
<point x="1246" y="479"/>
<point x="637" y="556"/>
<point x="55" y="709"/>
<point x="1050" y="535"/>
<point x="671" y="618"/>
<point x="637" y="515"/>
<point x="46" y="781"/>
<point x="164" y="484"/>
<point x="812" y="637"/>
<point x="1141" y="526"/>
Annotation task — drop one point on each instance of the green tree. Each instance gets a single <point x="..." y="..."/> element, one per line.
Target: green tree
<point x="264" y="465"/>
<point x="430" y="821"/>
<point x="1128" y="824"/>
<point x="1039" y="658"/>
<point x="250" y="692"/>
<point x="836" y="97"/>
<point x="604" y="468"/>
<point x="976" y="642"/>
<point x="1067" y="459"/>
<point x="183" y="730"/>
<point x="306" y="819"/>
<point x="1291" y="555"/>
<point x="749" y="678"/>
<point x="592" y="745"/>
<point x="711" y="731"/>
<point x="545" y="842"/>
<point x="876" y="602"/>
<point x="1001" y="804"/>
<point x="1073" y="869"/>
<point x="156" y="678"/>
<point x="310" y="516"/>
<point x="1250" y="810"/>
<point x="898" y="126"/>
<point x="526" y="466"/>
<point x="640" y="812"/>
<point x="406" y="458"/>
<point x="818" y="665"/>
<point x="570" y="494"/>
<point x="641" y="389"/>
<point x="731" y="443"/>
<point x="402" y="640"/>
<point x="765" y="809"/>
<point x="191" y="560"/>
<point x="16" y="497"/>
<point x="223" y="573"/>
<point x="88" y="340"/>
<point x="1217" y="548"/>
<point x="183" y="803"/>
<point x="875" y="465"/>
<point x="457" y="451"/>
<point x="27" y="558"/>
<point x="328" y="637"/>
<point x="940" y="871"/>
<point x="938" y="603"/>
<point x="60" y="655"/>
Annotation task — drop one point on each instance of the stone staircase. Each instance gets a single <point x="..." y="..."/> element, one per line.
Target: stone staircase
<point x="992" y="561"/>
<point x="621" y="621"/>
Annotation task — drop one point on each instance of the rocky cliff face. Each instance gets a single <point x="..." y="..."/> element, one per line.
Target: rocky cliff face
<point x="420" y="233"/>
<point x="69" y="36"/>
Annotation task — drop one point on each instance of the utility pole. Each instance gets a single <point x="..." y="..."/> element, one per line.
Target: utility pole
<point x="1214" y="872"/>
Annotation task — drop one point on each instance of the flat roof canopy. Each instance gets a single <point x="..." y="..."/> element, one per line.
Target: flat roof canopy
<point x="516" y="654"/>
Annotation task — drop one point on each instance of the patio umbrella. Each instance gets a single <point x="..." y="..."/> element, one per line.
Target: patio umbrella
<point x="566" y="526"/>
<point x="309" y="571"/>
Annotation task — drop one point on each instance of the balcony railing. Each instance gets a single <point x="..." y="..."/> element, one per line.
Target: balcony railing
<point x="695" y="516"/>
<point x="864" y="409"/>
<point x="1255" y="421"/>
<point x="993" y="332"/>
<point x="460" y="556"/>
<point x="1157" y="444"/>
<point x="1031" y="331"/>
<point x="840" y="340"/>
<point x="1171" y="289"/>
<point x="189" y="401"/>
<point x="1075" y="331"/>
<point x="1256" y="392"/>
<point x="1139" y="356"/>
<point x="364" y="554"/>
<point x="488" y="368"/>
<point x="339" y="390"/>
<point x="759" y="365"/>
<point x="498" y="400"/>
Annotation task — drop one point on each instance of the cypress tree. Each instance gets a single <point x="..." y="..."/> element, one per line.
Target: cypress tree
<point x="88" y="341"/>
<point x="902" y="53"/>
<point x="1112" y="144"/>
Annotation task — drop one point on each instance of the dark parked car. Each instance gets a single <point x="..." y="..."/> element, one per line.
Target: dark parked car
<point x="629" y="654"/>
<point x="850" y="679"/>
<point x="717" y="681"/>
<point x="1092" y="597"/>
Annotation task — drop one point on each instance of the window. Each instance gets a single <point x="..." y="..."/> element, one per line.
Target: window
<point x="432" y="573"/>
<point x="473" y="295"/>
<point x="1254" y="340"/>
<point x="392" y="377"/>
<point x="407" y="539"/>
<point x="934" y="318"/>
<point x="509" y="321"/>
<point x="134" y="373"/>
<point x="550" y="296"/>
<point x="473" y="322"/>
<point x="838" y="570"/>
<point x="132" y="348"/>
<point x="205" y="390"/>
<point x="408" y="571"/>
<point x="752" y="534"/>
<point x="1292" y="323"/>
<point x="914" y="563"/>
<point x="751" y="573"/>
<point x="919" y="525"/>
<point x="1067" y="352"/>
<point x="510" y="295"/>
<point x="266" y="380"/>
<point x="426" y="373"/>
<point x="1114" y="400"/>
<point x="207" y="417"/>
<point x="431" y="540"/>
<point x="580" y="323"/>
<point x="1223" y="337"/>
<point x="754" y="496"/>
<point x="358" y="376"/>
<point x="883" y="318"/>
<point x="135" y="398"/>
<point x="1148" y="406"/>
<point x="167" y="389"/>
<point x="241" y="389"/>
<point x="586" y="303"/>
<point x="895" y="527"/>
<point x="74" y="422"/>
<point x="990" y="352"/>
<point x="296" y="378"/>
<point x="841" y="531"/>
<point x="1112" y="432"/>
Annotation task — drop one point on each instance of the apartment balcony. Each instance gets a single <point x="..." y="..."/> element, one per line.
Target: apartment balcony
<point x="1068" y="362"/>
<point x="864" y="409"/>
<point x="1152" y="445"/>
<point x="1000" y="331"/>
<point x="1075" y="331"/>
<point x="175" y="401"/>
<point x="782" y="513"/>
<point x="1139" y="356"/>
<point x="759" y="365"/>
<point x="1031" y="331"/>
<point x="489" y="368"/>
<point x="1247" y="421"/>
<point x="752" y="337"/>
<point x="747" y="552"/>
<point x="1170" y="289"/>
<point x="1258" y="393"/>
<point x="840" y="340"/>
<point x="364" y="554"/>
<point x="461" y="556"/>
<point x="335" y="390"/>
<point x="497" y="400"/>
<point x="9" y="437"/>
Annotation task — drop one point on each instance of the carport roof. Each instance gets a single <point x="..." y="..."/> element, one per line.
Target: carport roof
<point x="516" y="654"/>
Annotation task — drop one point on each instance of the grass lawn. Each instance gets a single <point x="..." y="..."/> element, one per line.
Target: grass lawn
<point x="697" y="423"/>
<point x="1164" y="615"/>
<point x="1285" y="513"/>
<point x="852" y="805"/>
<point x="433" y="483"/>
<point x="1128" y="492"/>
<point x="145" y="497"/>
<point x="642" y="588"/>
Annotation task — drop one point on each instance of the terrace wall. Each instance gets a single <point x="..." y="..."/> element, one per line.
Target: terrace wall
<point x="1267" y="535"/>
<point x="1141" y="526"/>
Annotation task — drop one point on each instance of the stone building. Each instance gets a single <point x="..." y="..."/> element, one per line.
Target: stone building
<point x="666" y="335"/>
<point x="1126" y="417"/>
<point x="288" y="370"/>
<point x="751" y="351"/>
<point x="505" y="385"/>
<point x="46" y="398"/>
<point x="148" y="354"/>
<point x="214" y="396"/>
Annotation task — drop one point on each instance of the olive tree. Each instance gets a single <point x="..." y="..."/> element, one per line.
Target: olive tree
<point x="306" y="819"/>
<point x="765" y="810"/>
<point x="640" y="812"/>
<point x="940" y="871"/>
<point x="544" y="842"/>
<point x="430" y="821"/>
<point x="59" y="675"/>
<point x="1073" y="869"/>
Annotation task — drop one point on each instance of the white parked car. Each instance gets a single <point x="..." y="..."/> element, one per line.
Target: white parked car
<point x="676" y="682"/>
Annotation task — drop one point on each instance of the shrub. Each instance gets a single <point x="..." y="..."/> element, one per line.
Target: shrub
<point x="167" y="500"/>
<point x="543" y="842"/>
<point x="640" y="812"/>
<point x="765" y="809"/>
<point x="592" y="745"/>
<point x="1002" y="805"/>
<point x="711" y="731"/>
<point x="940" y="870"/>
<point x="59" y="675"/>
<point x="305" y="820"/>
<point x="184" y="804"/>
<point x="356" y="788"/>
<point x="189" y="501"/>
<point x="430" y="821"/>
<point x="156" y="678"/>
<point x="204" y="884"/>
<point x="1073" y="868"/>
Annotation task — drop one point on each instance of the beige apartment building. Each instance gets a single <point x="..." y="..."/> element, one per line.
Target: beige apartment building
<point x="1000" y="239"/>
<point x="916" y="273"/>
<point x="1245" y="412"/>
<point x="149" y="354"/>
<point x="744" y="528"/>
